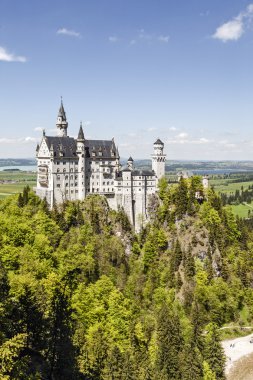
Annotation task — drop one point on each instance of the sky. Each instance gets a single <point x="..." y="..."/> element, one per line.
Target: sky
<point x="135" y="70"/>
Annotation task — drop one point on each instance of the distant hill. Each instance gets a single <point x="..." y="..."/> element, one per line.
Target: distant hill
<point x="17" y="162"/>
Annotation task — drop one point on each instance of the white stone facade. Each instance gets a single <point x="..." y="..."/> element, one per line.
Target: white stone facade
<point x="71" y="169"/>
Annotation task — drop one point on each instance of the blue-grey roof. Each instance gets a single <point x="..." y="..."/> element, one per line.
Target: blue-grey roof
<point x="158" y="141"/>
<point x="64" y="145"/>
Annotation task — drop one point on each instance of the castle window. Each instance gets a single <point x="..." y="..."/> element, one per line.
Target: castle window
<point x="103" y="190"/>
<point x="66" y="184"/>
<point x="103" y="183"/>
<point x="64" y="170"/>
<point x="71" y="177"/>
<point x="72" y="191"/>
<point x="108" y="183"/>
<point x="57" y="163"/>
<point x="58" y="170"/>
<point x="64" y="163"/>
<point x="139" y="183"/>
<point x="112" y="183"/>
<point x="71" y="170"/>
<point x="139" y="189"/>
<point x="66" y="177"/>
<point x="75" y="176"/>
<point x="76" y="191"/>
<point x="58" y="185"/>
<point x="58" y="176"/>
<point x="76" y="184"/>
<point x="108" y="190"/>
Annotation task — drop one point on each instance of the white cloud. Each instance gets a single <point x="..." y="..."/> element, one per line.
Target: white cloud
<point x="151" y="129"/>
<point x="164" y="39"/>
<point x="183" y="138"/>
<point x="173" y="128"/>
<point x="231" y="30"/>
<point x="182" y="135"/>
<point x="203" y="140"/>
<point x="234" y="29"/>
<point x="68" y="32"/>
<point x="9" y="57"/>
<point x="21" y="140"/>
<point x="38" y="129"/>
<point x="113" y="39"/>
<point x="143" y="36"/>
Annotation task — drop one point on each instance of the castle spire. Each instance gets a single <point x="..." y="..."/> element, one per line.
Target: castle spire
<point x="62" y="124"/>
<point x="80" y="133"/>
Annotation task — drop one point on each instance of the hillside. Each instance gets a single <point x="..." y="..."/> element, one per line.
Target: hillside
<point x="84" y="297"/>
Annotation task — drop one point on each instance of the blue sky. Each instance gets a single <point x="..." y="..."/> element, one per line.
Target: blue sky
<point x="134" y="70"/>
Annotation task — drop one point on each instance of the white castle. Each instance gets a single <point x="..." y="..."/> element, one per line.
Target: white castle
<point x="71" y="169"/>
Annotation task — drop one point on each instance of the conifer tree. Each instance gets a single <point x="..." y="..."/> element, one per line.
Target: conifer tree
<point x="213" y="352"/>
<point x="170" y="344"/>
<point x="181" y="198"/>
<point x="189" y="264"/>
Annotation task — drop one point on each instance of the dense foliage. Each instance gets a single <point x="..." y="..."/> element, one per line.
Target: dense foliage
<point x="83" y="297"/>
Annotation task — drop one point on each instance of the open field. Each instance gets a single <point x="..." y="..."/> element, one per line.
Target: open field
<point x="225" y="185"/>
<point x="14" y="182"/>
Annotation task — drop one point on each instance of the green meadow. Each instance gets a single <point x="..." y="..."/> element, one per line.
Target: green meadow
<point x="17" y="180"/>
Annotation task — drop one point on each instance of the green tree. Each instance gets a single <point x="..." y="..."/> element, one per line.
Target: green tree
<point x="170" y="343"/>
<point x="213" y="352"/>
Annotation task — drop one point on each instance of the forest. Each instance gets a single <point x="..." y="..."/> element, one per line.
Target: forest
<point x="82" y="296"/>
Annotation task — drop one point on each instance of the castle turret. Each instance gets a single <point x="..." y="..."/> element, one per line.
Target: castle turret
<point x="62" y="124"/>
<point x="80" y="148"/>
<point x="158" y="159"/>
<point x="130" y="163"/>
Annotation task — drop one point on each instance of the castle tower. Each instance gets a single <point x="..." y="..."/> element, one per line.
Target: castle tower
<point x="80" y="150"/>
<point x="130" y="163"/>
<point x="61" y="123"/>
<point x="158" y="159"/>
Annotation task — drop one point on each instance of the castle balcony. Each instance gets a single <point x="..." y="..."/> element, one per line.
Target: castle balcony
<point x="42" y="169"/>
<point x="43" y="179"/>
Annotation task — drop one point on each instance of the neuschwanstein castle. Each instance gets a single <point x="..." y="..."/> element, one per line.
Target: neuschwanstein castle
<point x="71" y="169"/>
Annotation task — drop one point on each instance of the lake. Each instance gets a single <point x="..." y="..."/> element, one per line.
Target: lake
<point x="28" y="168"/>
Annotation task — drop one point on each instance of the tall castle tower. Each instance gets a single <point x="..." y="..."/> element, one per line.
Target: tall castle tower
<point x="158" y="159"/>
<point x="61" y="123"/>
